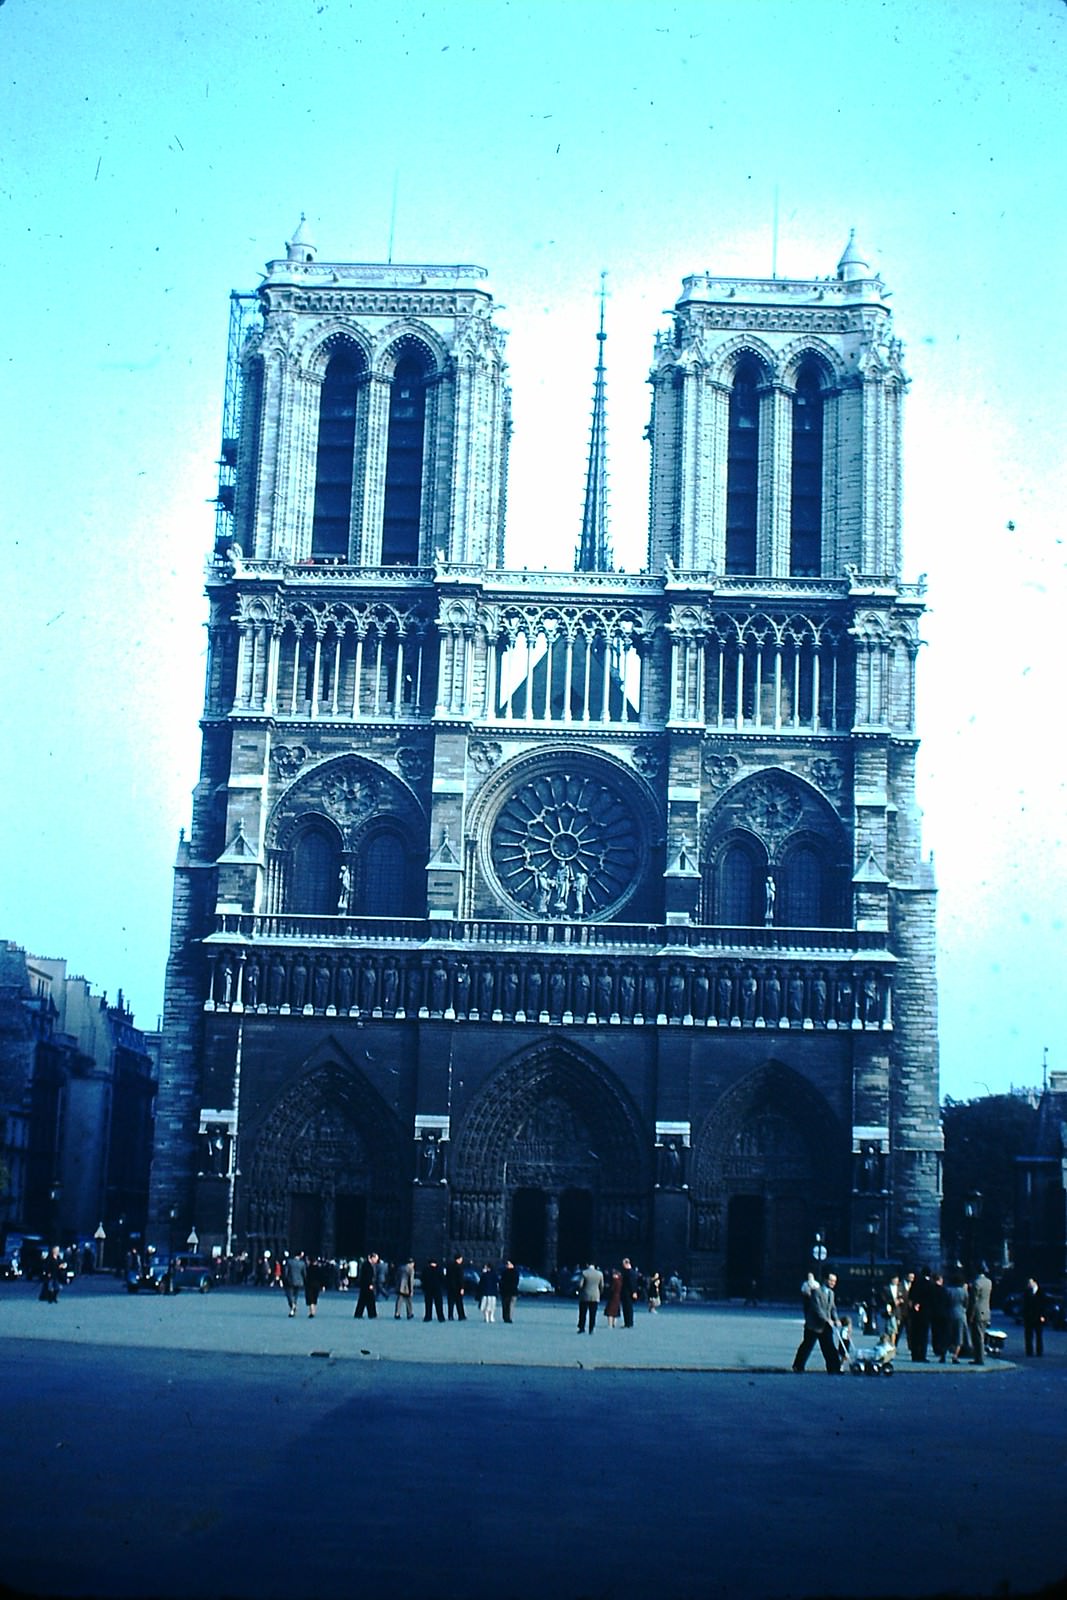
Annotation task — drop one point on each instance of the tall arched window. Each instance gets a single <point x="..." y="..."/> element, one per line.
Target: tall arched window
<point x="738" y="888"/>
<point x="803" y="889"/>
<point x="382" y="877"/>
<point x="314" y="872"/>
<point x="805" y="511"/>
<point x="403" y="464"/>
<point x="335" y="462"/>
<point x="742" y="468"/>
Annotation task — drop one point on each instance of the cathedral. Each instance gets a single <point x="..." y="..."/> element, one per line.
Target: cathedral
<point x="559" y="915"/>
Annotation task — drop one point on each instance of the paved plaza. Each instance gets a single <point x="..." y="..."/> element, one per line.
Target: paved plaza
<point x="211" y="1446"/>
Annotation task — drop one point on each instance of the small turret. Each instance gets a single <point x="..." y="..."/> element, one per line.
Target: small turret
<point x="852" y="264"/>
<point x="301" y="247"/>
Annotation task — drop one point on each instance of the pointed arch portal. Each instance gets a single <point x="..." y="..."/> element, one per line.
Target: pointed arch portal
<point x="551" y="1165"/>
<point x="324" y="1169"/>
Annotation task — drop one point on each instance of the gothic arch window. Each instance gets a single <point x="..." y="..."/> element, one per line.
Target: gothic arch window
<point x="808" y="887"/>
<point x="805" y="510"/>
<point x="402" y="518"/>
<point x="335" y="461"/>
<point x="382" y="875"/>
<point x="314" y="871"/>
<point x="738" y="885"/>
<point x="742" y="468"/>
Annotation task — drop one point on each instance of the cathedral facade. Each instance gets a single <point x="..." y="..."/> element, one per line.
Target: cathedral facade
<point x="558" y="915"/>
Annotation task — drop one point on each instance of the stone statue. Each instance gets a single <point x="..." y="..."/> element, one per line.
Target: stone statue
<point x="322" y="986"/>
<point x="770" y="893"/>
<point x="462" y="989"/>
<point x="748" y="997"/>
<point x="627" y="992"/>
<point x="511" y="992"/>
<point x="701" y="995"/>
<point x="428" y="1164"/>
<point x="818" y="998"/>
<point x="390" y="980"/>
<point x="368" y="987"/>
<point x="544" y="892"/>
<point x="649" y="995"/>
<point x="581" y="889"/>
<point x="557" y="991"/>
<point x="581" y="993"/>
<point x="414" y="988"/>
<point x="870" y="999"/>
<point x="603" y="994"/>
<point x="796" y="998"/>
<point x="772" y="997"/>
<point x="344" y="987"/>
<point x="298" y="985"/>
<point x="438" y="987"/>
<point x="533" y="992"/>
<point x="676" y="994"/>
<point x="563" y="887"/>
<point x="486" y="991"/>
<point x="345" y="889"/>
<point x="252" y="983"/>
<point x="726" y="994"/>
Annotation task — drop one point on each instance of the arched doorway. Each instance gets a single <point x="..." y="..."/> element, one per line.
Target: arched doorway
<point x="551" y="1165"/>
<point x="770" y="1166"/>
<point x="324" y="1170"/>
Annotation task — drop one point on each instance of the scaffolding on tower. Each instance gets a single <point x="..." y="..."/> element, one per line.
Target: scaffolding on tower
<point x="244" y="315"/>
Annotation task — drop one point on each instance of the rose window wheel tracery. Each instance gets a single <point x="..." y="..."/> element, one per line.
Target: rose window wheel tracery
<point x="566" y="845"/>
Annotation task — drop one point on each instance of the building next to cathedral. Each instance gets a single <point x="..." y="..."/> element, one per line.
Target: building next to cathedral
<point x="562" y="915"/>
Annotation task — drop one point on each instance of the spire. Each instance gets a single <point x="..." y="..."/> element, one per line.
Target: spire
<point x="852" y="264"/>
<point x="301" y="247"/>
<point x="594" y="552"/>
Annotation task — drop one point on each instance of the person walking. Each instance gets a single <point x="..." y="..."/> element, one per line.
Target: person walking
<point x="53" y="1276"/>
<point x="455" y="1289"/>
<point x="630" y="1285"/>
<point x="956" y="1328"/>
<point x="820" y="1314"/>
<point x="314" y="1278"/>
<point x="655" y="1292"/>
<point x="590" y="1289"/>
<point x="405" y="1289"/>
<point x="432" y="1290"/>
<point x="978" y="1313"/>
<point x="613" y="1304"/>
<point x="368" y="1287"/>
<point x="488" y="1286"/>
<point x="1035" y="1311"/>
<point x="294" y="1277"/>
<point x="509" y="1290"/>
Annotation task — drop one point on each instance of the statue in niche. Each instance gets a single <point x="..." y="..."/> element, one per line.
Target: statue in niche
<point x="748" y="997"/>
<point x="871" y="1010"/>
<point x="676" y="994"/>
<point x="462" y="989"/>
<point x="649" y="995"/>
<point x="438" y="987"/>
<point x="701" y="994"/>
<point x="252" y="983"/>
<point x="770" y="894"/>
<point x="486" y="991"/>
<point x="429" y="1158"/>
<point x="818" y="997"/>
<point x="322" y="986"/>
<point x="603" y="993"/>
<point x="227" y="983"/>
<point x="533" y="992"/>
<point x="772" y="996"/>
<point x="544" y="892"/>
<point x="368" y="987"/>
<point x="581" y="889"/>
<point x="670" y="1165"/>
<point x="344" y="986"/>
<point x="563" y="887"/>
<point x="581" y="992"/>
<point x="627" y="992"/>
<point x="276" y="990"/>
<point x="298" y="985"/>
<point x="390" y="983"/>
<point x="414" y="988"/>
<point x="511" y="992"/>
<point x="344" y="895"/>
<point x="557" y="990"/>
<point x="725" y="988"/>
<point x="845" y="1002"/>
<point x="796" y="998"/>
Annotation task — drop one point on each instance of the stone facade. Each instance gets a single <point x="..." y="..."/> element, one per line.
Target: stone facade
<point x="556" y="913"/>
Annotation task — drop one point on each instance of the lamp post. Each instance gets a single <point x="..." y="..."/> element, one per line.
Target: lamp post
<point x="100" y="1239"/>
<point x="818" y="1250"/>
<point x="972" y="1210"/>
<point x="874" y="1222"/>
<point x="193" y="1240"/>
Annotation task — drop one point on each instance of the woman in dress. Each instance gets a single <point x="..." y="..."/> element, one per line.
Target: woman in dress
<point x="614" y="1305"/>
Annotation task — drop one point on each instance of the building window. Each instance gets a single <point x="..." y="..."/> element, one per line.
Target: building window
<point x="403" y="464"/>
<point x="382" y="878"/>
<point x="742" y="468"/>
<point x="315" y="873"/>
<point x="737" y="900"/>
<point x="805" y="516"/>
<point x="803" y="890"/>
<point x="335" y="462"/>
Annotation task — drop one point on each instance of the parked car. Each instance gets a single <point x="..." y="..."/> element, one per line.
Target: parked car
<point x="188" y="1272"/>
<point x="1055" y="1306"/>
<point x="23" y="1256"/>
<point x="533" y="1283"/>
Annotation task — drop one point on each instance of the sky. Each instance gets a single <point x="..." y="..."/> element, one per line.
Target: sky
<point x="154" y="157"/>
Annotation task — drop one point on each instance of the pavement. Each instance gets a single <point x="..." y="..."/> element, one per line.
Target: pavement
<point x="208" y="1447"/>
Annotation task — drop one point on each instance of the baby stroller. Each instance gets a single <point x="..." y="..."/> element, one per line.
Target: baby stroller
<point x="876" y="1362"/>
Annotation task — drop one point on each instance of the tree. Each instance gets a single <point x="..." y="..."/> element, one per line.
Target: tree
<point x="983" y="1138"/>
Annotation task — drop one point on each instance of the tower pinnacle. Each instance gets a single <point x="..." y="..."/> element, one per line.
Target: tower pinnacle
<point x="594" y="551"/>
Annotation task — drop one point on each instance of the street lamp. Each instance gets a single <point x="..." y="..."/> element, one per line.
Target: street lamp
<point x="193" y="1240"/>
<point x="874" y="1222"/>
<point x="101" y="1239"/>
<point x="818" y="1249"/>
<point x="972" y="1210"/>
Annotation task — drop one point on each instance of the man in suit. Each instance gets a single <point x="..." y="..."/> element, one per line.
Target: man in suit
<point x="431" y="1290"/>
<point x="405" y="1288"/>
<point x="978" y="1313"/>
<point x="294" y="1275"/>
<point x="455" y="1288"/>
<point x="590" y="1289"/>
<point x="820" y="1314"/>
<point x="629" y="1292"/>
<point x="1035" y="1310"/>
<point x="368" y="1287"/>
<point x="509" y="1289"/>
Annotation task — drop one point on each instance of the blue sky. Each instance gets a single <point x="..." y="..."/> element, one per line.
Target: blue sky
<point x="154" y="157"/>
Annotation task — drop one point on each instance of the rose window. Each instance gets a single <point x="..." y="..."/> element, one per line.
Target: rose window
<point x="566" y="845"/>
